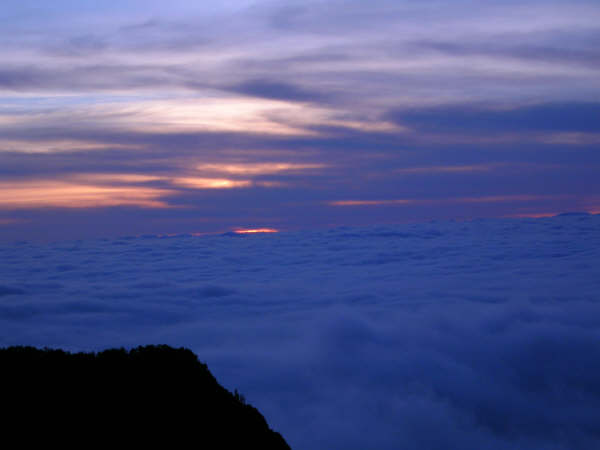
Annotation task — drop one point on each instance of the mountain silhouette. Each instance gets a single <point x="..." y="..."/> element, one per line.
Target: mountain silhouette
<point x="155" y="396"/>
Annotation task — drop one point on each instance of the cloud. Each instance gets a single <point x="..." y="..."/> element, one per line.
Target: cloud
<point x="116" y="178"/>
<point x="532" y="53"/>
<point x="421" y="336"/>
<point x="449" y="200"/>
<point x="265" y="168"/>
<point x="8" y="221"/>
<point x="211" y="183"/>
<point x="81" y="78"/>
<point x="371" y="202"/>
<point x="7" y="290"/>
<point x="553" y="117"/>
<point x="265" y="88"/>
<point x="63" y="194"/>
<point x="86" y="45"/>
<point x="448" y="169"/>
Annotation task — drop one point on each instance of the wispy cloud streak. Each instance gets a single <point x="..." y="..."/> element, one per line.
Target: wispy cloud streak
<point x="62" y="194"/>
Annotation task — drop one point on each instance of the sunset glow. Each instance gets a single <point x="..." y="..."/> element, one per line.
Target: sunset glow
<point x="212" y="111"/>
<point x="110" y="178"/>
<point x="61" y="194"/>
<point x="211" y="183"/>
<point x="257" y="168"/>
<point x="255" y="230"/>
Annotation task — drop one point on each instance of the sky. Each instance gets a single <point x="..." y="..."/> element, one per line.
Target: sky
<point x="134" y="117"/>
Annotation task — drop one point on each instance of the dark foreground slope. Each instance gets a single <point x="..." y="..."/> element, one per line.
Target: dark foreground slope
<point x="154" y="395"/>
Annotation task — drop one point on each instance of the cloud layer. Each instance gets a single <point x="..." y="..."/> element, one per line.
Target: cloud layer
<point x="468" y="335"/>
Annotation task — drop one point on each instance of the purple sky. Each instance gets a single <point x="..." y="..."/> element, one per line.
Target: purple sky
<point x="136" y="117"/>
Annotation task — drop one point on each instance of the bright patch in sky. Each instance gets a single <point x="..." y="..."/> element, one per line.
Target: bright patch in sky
<point x="211" y="183"/>
<point x="257" y="168"/>
<point x="255" y="230"/>
<point x="62" y="194"/>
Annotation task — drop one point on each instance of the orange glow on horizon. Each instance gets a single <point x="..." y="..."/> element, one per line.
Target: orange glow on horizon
<point x="256" y="230"/>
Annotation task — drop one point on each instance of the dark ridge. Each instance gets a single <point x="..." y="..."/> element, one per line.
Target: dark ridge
<point x="155" y="396"/>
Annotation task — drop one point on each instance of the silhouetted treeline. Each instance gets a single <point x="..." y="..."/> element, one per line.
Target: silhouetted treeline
<point x="148" y="396"/>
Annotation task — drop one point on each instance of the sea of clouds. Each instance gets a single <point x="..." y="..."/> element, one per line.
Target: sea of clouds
<point x="462" y="335"/>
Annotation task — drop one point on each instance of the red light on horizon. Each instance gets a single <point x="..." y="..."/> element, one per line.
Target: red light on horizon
<point x="255" y="230"/>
